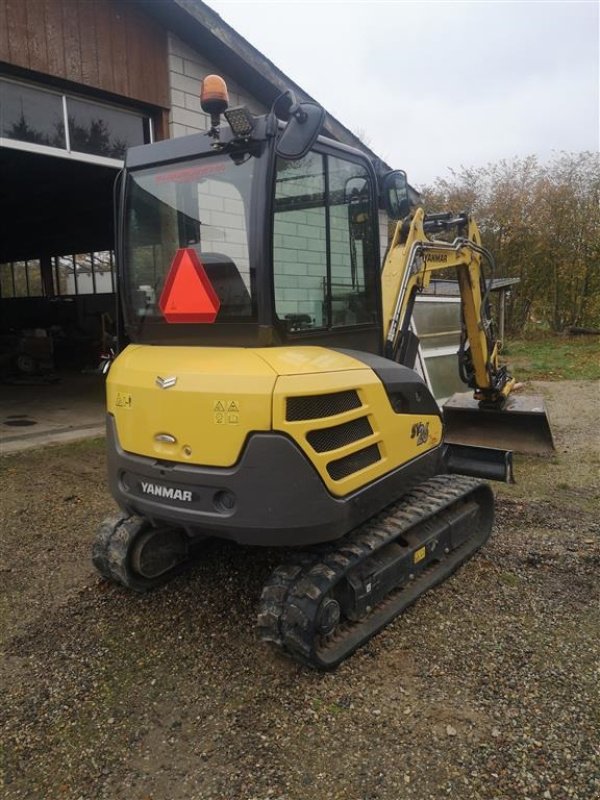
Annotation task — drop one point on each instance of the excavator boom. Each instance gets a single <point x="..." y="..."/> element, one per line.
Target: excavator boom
<point x="492" y="415"/>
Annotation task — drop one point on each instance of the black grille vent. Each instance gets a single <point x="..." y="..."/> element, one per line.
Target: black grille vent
<point x="348" y="464"/>
<point x="346" y="433"/>
<point x="321" y="405"/>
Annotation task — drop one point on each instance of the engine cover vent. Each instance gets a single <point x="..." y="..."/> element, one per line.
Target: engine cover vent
<point x="331" y="438"/>
<point x="321" y="405"/>
<point x="347" y="465"/>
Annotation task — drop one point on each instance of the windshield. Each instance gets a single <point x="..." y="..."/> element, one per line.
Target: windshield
<point x="203" y="204"/>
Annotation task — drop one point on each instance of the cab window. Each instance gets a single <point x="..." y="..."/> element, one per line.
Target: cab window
<point x="323" y="247"/>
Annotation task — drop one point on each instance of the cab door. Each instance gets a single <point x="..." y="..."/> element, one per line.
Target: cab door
<point x="325" y="244"/>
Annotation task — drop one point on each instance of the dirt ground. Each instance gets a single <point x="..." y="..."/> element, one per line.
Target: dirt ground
<point x="487" y="688"/>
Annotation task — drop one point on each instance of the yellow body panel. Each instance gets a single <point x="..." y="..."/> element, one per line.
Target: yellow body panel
<point x="221" y="395"/>
<point x="307" y="360"/>
<point x="394" y="434"/>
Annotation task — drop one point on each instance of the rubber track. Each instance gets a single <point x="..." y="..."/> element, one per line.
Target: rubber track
<point x="291" y="597"/>
<point x="111" y="553"/>
<point x="100" y="547"/>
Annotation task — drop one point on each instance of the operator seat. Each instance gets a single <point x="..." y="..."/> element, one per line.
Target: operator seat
<point x="228" y="284"/>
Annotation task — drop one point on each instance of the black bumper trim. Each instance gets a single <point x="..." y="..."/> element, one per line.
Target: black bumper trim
<point x="280" y="500"/>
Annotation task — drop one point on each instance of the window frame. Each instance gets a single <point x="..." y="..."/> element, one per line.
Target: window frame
<point x="17" y="293"/>
<point x="226" y="333"/>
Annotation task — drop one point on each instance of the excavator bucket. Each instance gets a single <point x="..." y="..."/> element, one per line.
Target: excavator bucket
<point x="522" y="425"/>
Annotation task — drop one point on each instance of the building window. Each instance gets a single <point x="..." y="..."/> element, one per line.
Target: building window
<point x="31" y="115"/>
<point x="103" y="131"/>
<point x="7" y="281"/>
<point x="84" y="273"/>
<point x="21" y="279"/>
<point x="40" y="116"/>
<point x="71" y="275"/>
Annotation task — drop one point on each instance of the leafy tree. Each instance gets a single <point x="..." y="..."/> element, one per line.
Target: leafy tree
<point x="542" y="222"/>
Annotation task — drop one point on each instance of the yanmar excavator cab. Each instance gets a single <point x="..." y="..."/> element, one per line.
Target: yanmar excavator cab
<point x="264" y="389"/>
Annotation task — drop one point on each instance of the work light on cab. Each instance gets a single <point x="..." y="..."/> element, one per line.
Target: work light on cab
<point x="240" y="121"/>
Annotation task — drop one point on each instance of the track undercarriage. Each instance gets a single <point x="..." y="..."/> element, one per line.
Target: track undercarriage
<point x="329" y="603"/>
<point x="326" y="602"/>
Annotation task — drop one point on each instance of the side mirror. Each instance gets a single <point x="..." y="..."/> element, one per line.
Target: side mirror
<point x="394" y="194"/>
<point x="304" y="123"/>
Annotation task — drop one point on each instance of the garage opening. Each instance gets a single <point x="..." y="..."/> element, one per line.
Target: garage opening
<point x="59" y="157"/>
<point x="56" y="253"/>
<point x="56" y="288"/>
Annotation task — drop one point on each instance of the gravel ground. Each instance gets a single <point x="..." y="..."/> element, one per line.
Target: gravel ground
<point x="487" y="688"/>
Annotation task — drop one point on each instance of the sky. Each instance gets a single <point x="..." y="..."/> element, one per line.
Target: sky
<point x="433" y="86"/>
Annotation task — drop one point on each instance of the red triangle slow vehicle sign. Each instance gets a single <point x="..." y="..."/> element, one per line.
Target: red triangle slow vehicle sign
<point x="188" y="295"/>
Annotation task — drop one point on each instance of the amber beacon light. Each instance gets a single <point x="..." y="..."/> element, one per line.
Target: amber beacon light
<point x="213" y="97"/>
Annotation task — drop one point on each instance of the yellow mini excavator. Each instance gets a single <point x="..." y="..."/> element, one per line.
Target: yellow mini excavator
<point x="264" y="389"/>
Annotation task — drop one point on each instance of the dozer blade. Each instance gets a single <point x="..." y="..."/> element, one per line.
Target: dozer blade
<point x="522" y="425"/>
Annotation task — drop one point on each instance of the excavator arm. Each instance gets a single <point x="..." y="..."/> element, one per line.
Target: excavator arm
<point x="412" y="259"/>
<point x="491" y="416"/>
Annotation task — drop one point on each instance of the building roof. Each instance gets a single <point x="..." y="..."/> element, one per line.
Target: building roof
<point x="207" y="32"/>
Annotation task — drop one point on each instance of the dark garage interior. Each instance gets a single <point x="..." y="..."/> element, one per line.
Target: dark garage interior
<point x="56" y="281"/>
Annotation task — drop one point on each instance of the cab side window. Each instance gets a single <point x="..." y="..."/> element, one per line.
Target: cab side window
<point x="351" y="243"/>
<point x="323" y="257"/>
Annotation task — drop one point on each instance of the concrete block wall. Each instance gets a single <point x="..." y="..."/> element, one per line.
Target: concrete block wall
<point x="384" y="222"/>
<point x="300" y="263"/>
<point x="186" y="69"/>
<point x="223" y="228"/>
<point x="299" y="243"/>
<point x="341" y="264"/>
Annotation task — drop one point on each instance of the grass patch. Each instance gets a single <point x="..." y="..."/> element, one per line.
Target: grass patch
<point x="552" y="357"/>
<point x="543" y="478"/>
